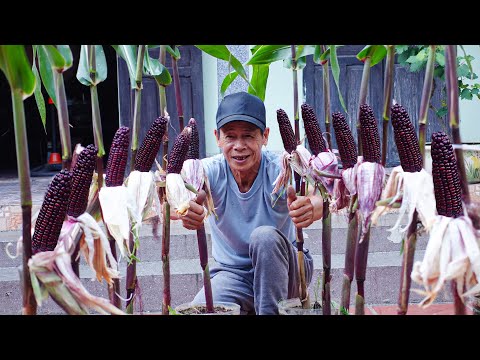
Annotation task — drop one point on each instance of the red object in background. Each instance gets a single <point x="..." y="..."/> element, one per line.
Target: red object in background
<point x="50" y="101"/>
<point x="54" y="158"/>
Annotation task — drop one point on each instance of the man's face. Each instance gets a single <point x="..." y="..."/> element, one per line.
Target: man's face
<point x="241" y="143"/>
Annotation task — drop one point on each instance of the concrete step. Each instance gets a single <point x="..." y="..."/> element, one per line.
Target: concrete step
<point x="381" y="284"/>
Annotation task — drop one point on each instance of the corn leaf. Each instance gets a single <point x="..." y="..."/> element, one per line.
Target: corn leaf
<point x="67" y="55"/>
<point x="46" y="72"/>
<point x="83" y="71"/>
<point x="221" y="52"/>
<point x="14" y="63"/>
<point x="259" y="80"/>
<point x="375" y="52"/>
<point x="229" y="78"/>
<point x="318" y="56"/>
<point x="175" y="53"/>
<point x="155" y="68"/>
<point x="336" y="73"/>
<point x="56" y="59"/>
<point x="38" y="91"/>
<point x="129" y="54"/>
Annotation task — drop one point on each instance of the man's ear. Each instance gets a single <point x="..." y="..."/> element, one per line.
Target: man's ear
<point x="217" y="136"/>
<point x="266" y="132"/>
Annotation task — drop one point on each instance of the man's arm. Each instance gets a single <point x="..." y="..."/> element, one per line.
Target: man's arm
<point x="304" y="210"/>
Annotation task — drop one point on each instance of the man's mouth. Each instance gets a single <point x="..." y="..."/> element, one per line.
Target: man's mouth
<point x="240" y="158"/>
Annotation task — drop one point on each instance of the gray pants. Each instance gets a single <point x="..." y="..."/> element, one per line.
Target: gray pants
<point x="273" y="276"/>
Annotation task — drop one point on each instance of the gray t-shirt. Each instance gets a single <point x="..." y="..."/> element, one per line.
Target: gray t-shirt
<point x="241" y="213"/>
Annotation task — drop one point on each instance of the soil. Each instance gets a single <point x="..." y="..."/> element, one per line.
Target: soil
<point x="202" y="310"/>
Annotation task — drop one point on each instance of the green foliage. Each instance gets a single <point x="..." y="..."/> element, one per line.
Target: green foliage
<point x="414" y="57"/>
<point x="84" y="71"/>
<point x="16" y="67"/>
<point x="38" y="92"/>
<point x="375" y="52"/>
<point x="46" y="72"/>
<point x="155" y="68"/>
<point x="259" y="80"/>
<point x="129" y="54"/>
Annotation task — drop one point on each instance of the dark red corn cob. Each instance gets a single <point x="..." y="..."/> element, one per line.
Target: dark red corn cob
<point x="406" y="140"/>
<point x="194" y="147"/>
<point x="315" y="139"/>
<point x="52" y="213"/>
<point x="286" y="131"/>
<point x="345" y="141"/>
<point x="178" y="154"/>
<point x="117" y="157"/>
<point x="370" y="136"/>
<point x="446" y="181"/>
<point x="151" y="144"/>
<point x="81" y="180"/>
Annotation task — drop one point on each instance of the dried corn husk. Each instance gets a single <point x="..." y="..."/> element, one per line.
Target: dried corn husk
<point x="324" y="162"/>
<point x="178" y="196"/>
<point x="452" y="253"/>
<point x="51" y="273"/>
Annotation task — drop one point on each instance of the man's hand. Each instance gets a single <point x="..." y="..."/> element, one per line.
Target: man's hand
<point x="193" y="219"/>
<point x="301" y="209"/>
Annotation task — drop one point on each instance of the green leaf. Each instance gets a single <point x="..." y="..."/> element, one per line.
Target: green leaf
<point x="463" y="71"/>
<point x="83" y="71"/>
<point x="317" y="54"/>
<point x="466" y="94"/>
<point x="56" y="59"/>
<point x="375" y="52"/>
<point x="175" y="53"/>
<point x="229" y="78"/>
<point x="469" y="59"/>
<point x="287" y="63"/>
<point x="65" y="51"/>
<point x="440" y="58"/>
<point x="422" y="55"/>
<point x="401" y="48"/>
<point x="336" y="73"/>
<point x="222" y="52"/>
<point x="46" y="73"/>
<point x="38" y="91"/>
<point x="14" y="63"/>
<point x="254" y="49"/>
<point x="129" y="54"/>
<point x="155" y="68"/>
<point x="259" y="80"/>
<point x="325" y="56"/>
<point x="266" y="54"/>
<point x="417" y="66"/>
<point x="442" y="111"/>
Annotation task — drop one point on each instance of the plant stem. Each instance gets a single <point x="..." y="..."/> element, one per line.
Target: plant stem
<point x="363" y="99"/>
<point x="138" y="103"/>
<point x="425" y="102"/>
<point x="361" y="258"/>
<point x="63" y="121"/>
<point x="166" y="257"/>
<point x="178" y="95"/>
<point x="29" y="304"/>
<point x="299" y="186"/>
<point x="387" y="98"/>
<point x="326" y="98"/>
<point x="349" y="266"/>
<point x="203" y="252"/>
<point x="407" y="265"/>
<point x="326" y="257"/>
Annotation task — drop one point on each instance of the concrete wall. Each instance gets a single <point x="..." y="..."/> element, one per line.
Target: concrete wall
<point x="279" y="94"/>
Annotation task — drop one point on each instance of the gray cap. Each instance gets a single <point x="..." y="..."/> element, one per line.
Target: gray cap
<point x="241" y="106"/>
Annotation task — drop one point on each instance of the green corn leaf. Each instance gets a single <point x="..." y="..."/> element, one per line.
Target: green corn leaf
<point x="46" y="72"/>
<point x="175" y="53"/>
<point x="229" y="78"/>
<point x="56" y="59"/>
<point x="376" y="53"/>
<point x="440" y="58"/>
<point x="67" y="55"/>
<point x="336" y="73"/>
<point x="129" y="54"/>
<point x="266" y="54"/>
<point x="38" y="91"/>
<point x="83" y="71"/>
<point x="259" y="80"/>
<point x="254" y="49"/>
<point x="468" y="60"/>
<point x="318" y="53"/>
<point x="287" y="63"/>
<point x="14" y="63"/>
<point x="154" y="67"/>
<point x="222" y="52"/>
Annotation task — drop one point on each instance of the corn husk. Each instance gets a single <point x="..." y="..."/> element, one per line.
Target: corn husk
<point x="142" y="200"/>
<point x="52" y="274"/>
<point x="452" y="253"/>
<point x="114" y="203"/>
<point x="415" y="190"/>
<point x="340" y="196"/>
<point x="369" y="181"/>
<point x="194" y="174"/>
<point x="326" y="162"/>
<point x="178" y="196"/>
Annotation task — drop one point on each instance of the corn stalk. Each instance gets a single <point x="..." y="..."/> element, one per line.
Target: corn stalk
<point x="411" y="237"/>
<point x="14" y="63"/>
<point x="348" y="272"/>
<point x="299" y="187"/>
<point x="387" y="98"/>
<point x="454" y="120"/>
